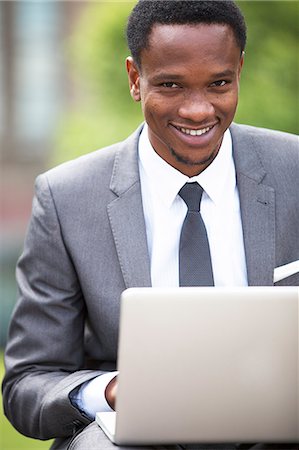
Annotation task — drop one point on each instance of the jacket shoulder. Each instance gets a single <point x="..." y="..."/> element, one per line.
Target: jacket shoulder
<point x="90" y="169"/>
<point x="274" y="148"/>
<point x="264" y="136"/>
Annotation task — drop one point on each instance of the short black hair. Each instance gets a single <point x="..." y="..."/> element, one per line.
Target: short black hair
<point x="147" y="13"/>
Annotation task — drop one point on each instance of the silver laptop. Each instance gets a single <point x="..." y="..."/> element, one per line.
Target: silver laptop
<point x="206" y="365"/>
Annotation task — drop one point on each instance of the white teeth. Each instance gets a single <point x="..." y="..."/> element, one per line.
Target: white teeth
<point x="194" y="132"/>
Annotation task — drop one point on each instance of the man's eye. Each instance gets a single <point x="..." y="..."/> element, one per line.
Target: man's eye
<point x="169" y="84"/>
<point x="219" y="83"/>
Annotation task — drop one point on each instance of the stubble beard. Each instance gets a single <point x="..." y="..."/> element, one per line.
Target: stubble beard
<point x="192" y="163"/>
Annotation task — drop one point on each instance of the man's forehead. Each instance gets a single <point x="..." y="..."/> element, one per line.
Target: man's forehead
<point x="168" y="33"/>
<point x="167" y="41"/>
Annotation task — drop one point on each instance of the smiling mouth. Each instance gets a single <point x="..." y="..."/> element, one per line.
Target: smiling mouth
<point x="192" y="131"/>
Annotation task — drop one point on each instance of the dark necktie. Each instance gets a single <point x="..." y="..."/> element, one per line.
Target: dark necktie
<point x="194" y="257"/>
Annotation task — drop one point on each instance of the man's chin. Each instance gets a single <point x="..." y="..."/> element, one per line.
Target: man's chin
<point x="192" y="162"/>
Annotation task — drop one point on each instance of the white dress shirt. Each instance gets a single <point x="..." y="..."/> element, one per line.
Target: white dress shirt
<point x="164" y="213"/>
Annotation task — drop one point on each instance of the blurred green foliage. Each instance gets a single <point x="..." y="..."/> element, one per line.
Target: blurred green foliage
<point x="107" y="114"/>
<point x="97" y="53"/>
<point x="270" y="83"/>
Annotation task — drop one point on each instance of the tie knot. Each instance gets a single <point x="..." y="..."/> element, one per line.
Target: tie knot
<point x="191" y="194"/>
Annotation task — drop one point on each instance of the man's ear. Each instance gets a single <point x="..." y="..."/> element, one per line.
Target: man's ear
<point x="134" y="79"/>
<point x="241" y="62"/>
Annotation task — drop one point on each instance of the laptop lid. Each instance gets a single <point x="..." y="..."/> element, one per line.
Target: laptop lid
<point x="200" y="365"/>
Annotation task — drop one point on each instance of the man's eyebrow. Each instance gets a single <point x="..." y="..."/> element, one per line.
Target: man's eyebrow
<point x="166" y="76"/>
<point x="159" y="77"/>
<point x="225" y="73"/>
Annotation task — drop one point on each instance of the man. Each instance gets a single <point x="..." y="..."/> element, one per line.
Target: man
<point x="113" y="219"/>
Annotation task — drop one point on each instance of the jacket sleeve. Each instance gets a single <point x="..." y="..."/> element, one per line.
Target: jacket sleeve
<point x="45" y="351"/>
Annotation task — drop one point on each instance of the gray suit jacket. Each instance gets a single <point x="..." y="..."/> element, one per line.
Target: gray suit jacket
<point x="87" y="242"/>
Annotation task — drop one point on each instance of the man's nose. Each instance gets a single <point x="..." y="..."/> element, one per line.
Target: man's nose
<point x="196" y="107"/>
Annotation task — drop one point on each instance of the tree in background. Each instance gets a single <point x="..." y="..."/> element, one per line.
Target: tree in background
<point x="97" y="53"/>
<point x="107" y="114"/>
<point x="269" y="82"/>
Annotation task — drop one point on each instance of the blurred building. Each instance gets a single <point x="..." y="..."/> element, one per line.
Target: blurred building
<point x="35" y="88"/>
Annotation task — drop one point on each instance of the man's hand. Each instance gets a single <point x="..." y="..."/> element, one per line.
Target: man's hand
<point x="110" y="392"/>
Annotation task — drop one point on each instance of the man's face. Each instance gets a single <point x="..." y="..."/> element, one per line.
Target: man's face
<point x="188" y="87"/>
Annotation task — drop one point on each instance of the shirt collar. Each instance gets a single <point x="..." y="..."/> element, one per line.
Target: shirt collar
<point x="216" y="180"/>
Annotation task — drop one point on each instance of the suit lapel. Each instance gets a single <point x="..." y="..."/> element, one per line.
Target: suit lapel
<point x="126" y="216"/>
<point x="257" y="202"/>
